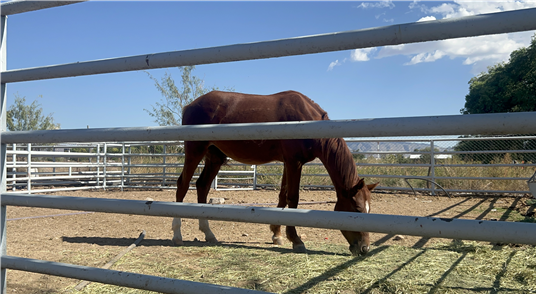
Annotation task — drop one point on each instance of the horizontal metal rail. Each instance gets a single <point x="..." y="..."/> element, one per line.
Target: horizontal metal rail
<point x="52" y="153"/>
<point x="476" y="25"/>
<point x="466" y="191"/>
<point x="490" y="124"/>
<point x="169" y="172"/>
<point x="405" y="176"/>
<point x="493" y="231"/>
<point x="437" y="153"/>
<point x="118" y="278"/>
<point x="409" y="139"/>
<point x="16" y="7"/>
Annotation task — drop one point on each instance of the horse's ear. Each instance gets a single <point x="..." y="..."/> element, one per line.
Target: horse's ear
<point x="357" y="187"/>
<point x="372" y="186"/>
<point x="360" y="184"/>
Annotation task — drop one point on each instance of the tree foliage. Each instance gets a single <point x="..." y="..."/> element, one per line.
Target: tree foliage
<point x="22" y="117"/>
<point x="168" y="112"/>
<point x="506" y="87"/>
<point x="490" y="145"/>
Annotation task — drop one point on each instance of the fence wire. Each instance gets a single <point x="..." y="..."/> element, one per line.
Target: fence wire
<point x="423" y="164"/>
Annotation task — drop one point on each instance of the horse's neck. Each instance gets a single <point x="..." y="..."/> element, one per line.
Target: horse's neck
<point x="339" y="163"/>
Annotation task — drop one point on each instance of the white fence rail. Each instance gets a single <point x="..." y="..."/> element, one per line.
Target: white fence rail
<point x="485" y="24"/>
<point x="503" y="232"/>
<point x="474" y="124"/>
<point x="400" y="165"/>
<point x="493" y="124"/>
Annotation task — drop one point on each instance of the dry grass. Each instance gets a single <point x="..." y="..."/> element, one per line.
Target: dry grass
<point x="456" y="267"/>
<point x="440" y="171"/>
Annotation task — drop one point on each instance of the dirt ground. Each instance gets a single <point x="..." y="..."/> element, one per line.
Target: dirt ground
<point x="92" y="239"/>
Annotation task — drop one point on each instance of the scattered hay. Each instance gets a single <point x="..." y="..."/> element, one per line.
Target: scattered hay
<point x="455" y="267"/>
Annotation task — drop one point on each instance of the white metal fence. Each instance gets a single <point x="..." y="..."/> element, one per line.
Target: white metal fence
<point x="445" y="165"/>
<point x="67" y="167"/>
<point x="492" y="124"/>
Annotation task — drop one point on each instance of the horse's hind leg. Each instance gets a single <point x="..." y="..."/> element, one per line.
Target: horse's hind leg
<point x="213" y="162"/>
<point x="194" y="152"/>
<point x="276" y="229"/>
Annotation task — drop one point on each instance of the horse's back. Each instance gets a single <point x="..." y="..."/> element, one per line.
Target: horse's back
<point x="219" y="107"/>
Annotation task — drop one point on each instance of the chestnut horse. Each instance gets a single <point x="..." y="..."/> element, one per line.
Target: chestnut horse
<point x="225" y="108"/>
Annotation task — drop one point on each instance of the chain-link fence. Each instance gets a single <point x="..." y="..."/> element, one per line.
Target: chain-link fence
<point x="435" y="165"/>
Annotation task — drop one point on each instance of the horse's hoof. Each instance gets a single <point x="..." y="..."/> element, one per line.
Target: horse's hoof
<point x="277" y="240"/>
<point x="212" y="240"/>
<point x="177" y="242"/>
<point x="299" y="248"/>
<point x="356" y="251"/>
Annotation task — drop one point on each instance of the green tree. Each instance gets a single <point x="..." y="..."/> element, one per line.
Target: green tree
<point x="506" y="87"/>
<point x="168" y="112"/>
<point x="489" y="145"/>
<point x="22" y="117"/>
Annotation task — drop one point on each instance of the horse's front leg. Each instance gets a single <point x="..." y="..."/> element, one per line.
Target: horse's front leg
<point x="293" y="189"/>
<point x="205" y="228"/>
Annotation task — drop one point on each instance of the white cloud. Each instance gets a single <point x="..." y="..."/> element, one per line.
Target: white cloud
<point x="426" y="57"/>
<point x="378" y="4"/>
<point x="479" y="52"/>
<point x="379" y="15"/>
<point x="415" y="4"/>
<point x="361" y="54"/>
<point x="427" y="18"/>
<point x="333" y="64"/>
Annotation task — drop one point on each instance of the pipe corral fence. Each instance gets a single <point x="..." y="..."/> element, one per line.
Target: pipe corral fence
<point x="485" y="124"/>
<point x="485" y="165"/>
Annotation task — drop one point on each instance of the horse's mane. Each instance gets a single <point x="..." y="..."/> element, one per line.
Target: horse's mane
<point x="317" y="107"/>
<point x="339" y="162"/>
<point x="314" y="105"/>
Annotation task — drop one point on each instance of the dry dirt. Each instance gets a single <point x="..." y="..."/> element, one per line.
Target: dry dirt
<point x="92" y="239"/>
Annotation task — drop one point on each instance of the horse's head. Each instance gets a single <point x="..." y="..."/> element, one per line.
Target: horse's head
<point x="357" y="199"/>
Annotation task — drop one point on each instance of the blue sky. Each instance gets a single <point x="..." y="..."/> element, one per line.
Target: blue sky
<point x="407" y="80"/>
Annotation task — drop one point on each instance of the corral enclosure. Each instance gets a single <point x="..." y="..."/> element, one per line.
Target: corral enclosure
<point x="246" y="258"/>
<point x="500" y="277"/>
<point x="485" y="165"/>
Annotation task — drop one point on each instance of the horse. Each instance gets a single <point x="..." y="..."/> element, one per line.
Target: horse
<point x="218" y="107"/>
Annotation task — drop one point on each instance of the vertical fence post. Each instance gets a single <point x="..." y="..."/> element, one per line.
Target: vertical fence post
<point x="54" y="160"/>
<point x="122" y="167"/>
<point x="214" y="184"/>
<point x="69" y="160"/>
<point x="105" y="149"/>
<point x="14" y="170"/>
<point x="129" y="162"/>
<point x="29" y="169"/>
<point x="254" y="177"/>
<point x="164" y="168"/>
<point x="98" y="164"/>
<point x="3" y="148"/>
<point x="378" y="155"/>
<point x="90" y="160"/>
<point x="432" y="166"/>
